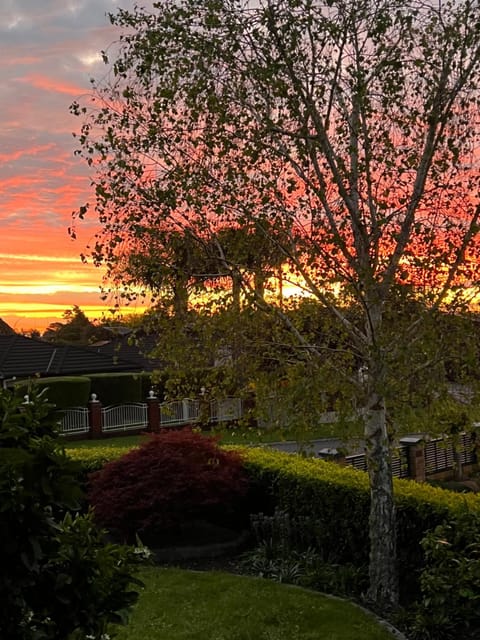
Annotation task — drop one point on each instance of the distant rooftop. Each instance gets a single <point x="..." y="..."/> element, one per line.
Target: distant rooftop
<point x="5" y="329"/>
<point x="23" y="357"/>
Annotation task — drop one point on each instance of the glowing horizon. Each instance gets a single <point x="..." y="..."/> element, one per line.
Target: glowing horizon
<point x="47" y="58"/>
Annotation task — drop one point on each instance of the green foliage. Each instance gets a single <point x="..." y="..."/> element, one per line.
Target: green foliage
<point x="92" y="579"/>
<point x="77" y="329"/>
<point x="335" y="500"/>
<point x="221" y="350"/>
<point x="286" y="550"/>
<point x="58" y="577"/>
<point x="341" y="136"/>
<point x="322" y="491"/>
<point x="62" y="391"/>
<point x="450" y="583"/>
<point x="117" y="388"/>
<point x="297" y="399"/>
<point x="95" y="457"/>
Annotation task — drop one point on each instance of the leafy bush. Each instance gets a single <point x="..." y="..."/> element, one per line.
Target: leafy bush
<point x="330" y="500"/>
<point x="286" y="550"/>
<point x="173" y="479"/>
<point x="58" y="577"/>
<point x="450" y="582"/>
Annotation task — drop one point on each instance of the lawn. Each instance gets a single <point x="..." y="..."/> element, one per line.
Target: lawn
<point x="227" y="436"/>
<point x="188" y="605"/>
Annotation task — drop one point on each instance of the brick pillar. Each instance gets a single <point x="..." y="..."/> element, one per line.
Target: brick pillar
<point x="416" y="457"/>
<point x="95" y="418"/>
<point x="153" y="413"/>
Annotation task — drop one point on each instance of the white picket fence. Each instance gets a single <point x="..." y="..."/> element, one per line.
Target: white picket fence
<point x="226" y="410"/>
<point x="124" y="417"/>
<point x="75" y="421"/>
<point x="132" y="416"/>
<point x="179" y="412"/>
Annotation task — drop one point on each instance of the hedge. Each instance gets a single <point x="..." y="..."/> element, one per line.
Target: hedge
<point x="62" y="391"/>
<point x="95" y="458"/>
<point x="337" y="498"/>
<point x="120" y="388"/>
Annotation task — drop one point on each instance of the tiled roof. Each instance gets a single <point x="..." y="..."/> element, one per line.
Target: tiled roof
<point x="137" y="351"/>
<point x="5" y="329"/>
<point x="22" y="357"/>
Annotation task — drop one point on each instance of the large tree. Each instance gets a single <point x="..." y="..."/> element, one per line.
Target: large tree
<point x="351" y="125"/>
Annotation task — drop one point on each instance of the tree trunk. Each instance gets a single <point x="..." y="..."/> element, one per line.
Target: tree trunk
<point x="180" y="296"/>
<point x="280" y="286"/>
<point x="236" y="290"/>
<point x="383" y="589"/>
<point x="383" y="574"/>
<point x="259" y="285"/>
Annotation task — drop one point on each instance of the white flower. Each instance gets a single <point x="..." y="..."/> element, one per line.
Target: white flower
<point x="142" y="552"/>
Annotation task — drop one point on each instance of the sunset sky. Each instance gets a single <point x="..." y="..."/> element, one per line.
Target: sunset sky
<point x="49" y="49"/>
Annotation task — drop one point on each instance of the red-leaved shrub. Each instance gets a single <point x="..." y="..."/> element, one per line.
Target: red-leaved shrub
<point x="175" y="478"/>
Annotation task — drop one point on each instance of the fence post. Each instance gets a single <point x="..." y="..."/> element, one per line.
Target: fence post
<point x="153" y="412"/>
<point x="416" y="457"/>
<point x="186" y="410"/>
<point x="95" y="417"/>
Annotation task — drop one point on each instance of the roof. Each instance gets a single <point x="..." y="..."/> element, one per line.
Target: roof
<point x="5" y="329"/>
<point x="23" y="357"/>
<point x="136" y="350"/>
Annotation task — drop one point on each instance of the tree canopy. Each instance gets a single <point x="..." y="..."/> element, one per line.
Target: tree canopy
<point x="349" y="128"/>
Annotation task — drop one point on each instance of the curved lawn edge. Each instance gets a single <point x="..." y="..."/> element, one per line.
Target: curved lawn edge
<point x="211" y="605"/>
<point x="396" y="633"/>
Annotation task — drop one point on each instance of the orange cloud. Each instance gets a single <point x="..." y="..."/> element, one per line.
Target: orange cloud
<point x="20" y="153"/>
<point x="51" y="84"/>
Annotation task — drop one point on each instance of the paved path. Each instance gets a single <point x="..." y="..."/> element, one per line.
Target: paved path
<point x="314" y="447"/>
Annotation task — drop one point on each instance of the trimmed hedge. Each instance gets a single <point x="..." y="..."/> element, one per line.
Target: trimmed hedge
<point x="93" y="459"/>
<point x="338" y="499"/>
<point x="62" y="391"/>
<point x="119" y="388"/>
<point x="75" y="391"/>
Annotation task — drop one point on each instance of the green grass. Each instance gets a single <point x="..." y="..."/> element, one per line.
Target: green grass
<point x="187" y="605"/>
<point x="125" y="442"/>
<point x="227" y="436"/>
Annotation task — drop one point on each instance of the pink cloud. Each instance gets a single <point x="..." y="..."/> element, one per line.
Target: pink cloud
<point x="19" y="153"/>
<point x="51" y="84"/>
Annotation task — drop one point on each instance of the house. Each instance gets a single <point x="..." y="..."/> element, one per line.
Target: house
<point x="23" y="357"/>
<point x="5" y="329"/>
<point x="123" y="344"/>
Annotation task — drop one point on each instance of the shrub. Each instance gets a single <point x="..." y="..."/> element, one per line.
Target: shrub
<point x="63" y="391"/>
<point x="95" y="458"/>
<point x="286" y="550"/>
<point x="175" y="478"/>
<point x="450" y="582"/>
<point x="57" y="576"/>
